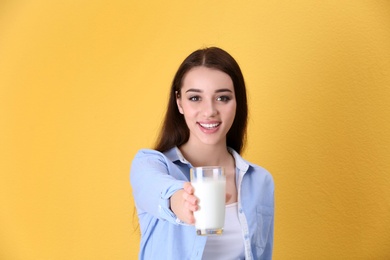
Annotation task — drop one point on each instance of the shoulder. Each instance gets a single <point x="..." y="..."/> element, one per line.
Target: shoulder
<point x="148" y="153"/>
<point x="253" y="171"/>
<point x="248" y="167"/>
<point x="151" y="162"/>
<point x="169" y="155"/>
<point x="257" y="170"/>
<point x="259" y="186"/>
<point x="147" y="157"/>
<point x="261" y="173"/>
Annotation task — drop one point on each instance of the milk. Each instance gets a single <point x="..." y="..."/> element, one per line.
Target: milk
<point x="210" y="217"/>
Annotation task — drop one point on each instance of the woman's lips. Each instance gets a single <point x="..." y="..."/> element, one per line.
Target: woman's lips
<point x="209" y="127"/>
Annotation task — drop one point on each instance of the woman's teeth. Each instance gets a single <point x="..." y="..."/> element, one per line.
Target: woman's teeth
<point x="209" y="126"/>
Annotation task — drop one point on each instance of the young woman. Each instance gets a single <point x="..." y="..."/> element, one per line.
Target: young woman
<point x="205" y="125"/>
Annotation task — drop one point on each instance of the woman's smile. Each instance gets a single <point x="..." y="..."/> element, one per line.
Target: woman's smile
<point x="209" y="128"/>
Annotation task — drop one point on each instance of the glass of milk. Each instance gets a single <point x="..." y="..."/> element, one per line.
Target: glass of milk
<point x="210" y="188"/>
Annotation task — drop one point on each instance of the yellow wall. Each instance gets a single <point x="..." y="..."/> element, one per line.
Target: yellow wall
<point x="83" y="86"/>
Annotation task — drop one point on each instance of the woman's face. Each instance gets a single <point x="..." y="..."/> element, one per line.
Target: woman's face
<point x="207" y="101"/>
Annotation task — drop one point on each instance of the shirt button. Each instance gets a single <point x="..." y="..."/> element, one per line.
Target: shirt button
<point x="240" y="210"/>
<point x="246" y="236"/>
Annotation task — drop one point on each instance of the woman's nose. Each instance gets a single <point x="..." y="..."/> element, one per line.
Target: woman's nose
<point x="209" y="109"/>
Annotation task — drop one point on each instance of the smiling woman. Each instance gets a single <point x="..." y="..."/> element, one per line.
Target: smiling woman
<point x="208" y="109"/>
<point x="205" y="125"/>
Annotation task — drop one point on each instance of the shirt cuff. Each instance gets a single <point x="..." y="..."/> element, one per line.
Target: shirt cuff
<point x="164" y="205"/>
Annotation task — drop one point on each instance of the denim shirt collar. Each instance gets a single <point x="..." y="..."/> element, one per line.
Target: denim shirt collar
<point x="175" y="155"/>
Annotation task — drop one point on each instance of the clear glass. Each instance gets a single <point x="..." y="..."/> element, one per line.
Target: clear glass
<point x="210" y="189"/>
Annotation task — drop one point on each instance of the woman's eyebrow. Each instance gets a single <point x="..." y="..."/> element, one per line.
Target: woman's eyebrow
<point x="194" y="90"/>
<point x="223" y="90"/>
<point x="217" y="91"/>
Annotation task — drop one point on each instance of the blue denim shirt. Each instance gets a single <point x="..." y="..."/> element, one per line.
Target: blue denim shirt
<point x="156" y="176"/>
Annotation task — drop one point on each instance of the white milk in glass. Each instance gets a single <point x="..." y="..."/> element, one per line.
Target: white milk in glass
<point x="210" y="189"/>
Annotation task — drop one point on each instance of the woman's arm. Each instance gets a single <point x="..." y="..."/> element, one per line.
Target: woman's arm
<point x="161" y="190"/>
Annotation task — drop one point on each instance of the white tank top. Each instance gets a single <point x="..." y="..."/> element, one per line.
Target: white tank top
<point x="229" y="245"/>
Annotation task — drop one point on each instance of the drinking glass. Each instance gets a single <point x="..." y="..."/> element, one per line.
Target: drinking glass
<point x="210" y="189"/>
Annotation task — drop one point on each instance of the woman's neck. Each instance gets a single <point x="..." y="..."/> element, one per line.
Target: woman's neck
<point x="206" y="155"/>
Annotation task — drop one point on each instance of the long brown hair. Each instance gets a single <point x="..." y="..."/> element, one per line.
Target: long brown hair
<point x="174" y="131"/>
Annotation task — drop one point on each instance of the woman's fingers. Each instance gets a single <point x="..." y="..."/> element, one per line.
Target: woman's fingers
<point x="190" y="199"/>
<point x="191" y="206"/>
<point x="188" y="188"/>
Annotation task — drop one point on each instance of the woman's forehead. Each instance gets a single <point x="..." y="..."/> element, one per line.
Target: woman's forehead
<point x="204" y="79"/>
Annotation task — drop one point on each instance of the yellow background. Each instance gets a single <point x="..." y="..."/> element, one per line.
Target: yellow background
<point x="84" y="84"/>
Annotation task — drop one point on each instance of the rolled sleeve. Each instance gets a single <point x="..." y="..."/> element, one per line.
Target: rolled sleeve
<point x="153" y="184"/>
<point x="165" y="211"/>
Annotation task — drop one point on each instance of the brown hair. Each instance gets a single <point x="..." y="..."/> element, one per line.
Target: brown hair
<point x="174" y="131"/>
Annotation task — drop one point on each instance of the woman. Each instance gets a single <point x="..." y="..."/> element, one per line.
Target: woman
<point x="205" y="125"/>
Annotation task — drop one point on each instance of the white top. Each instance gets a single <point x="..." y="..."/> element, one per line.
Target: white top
<point x="229" y="245"/>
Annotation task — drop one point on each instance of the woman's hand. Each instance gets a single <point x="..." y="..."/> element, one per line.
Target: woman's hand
<point x="184" y="203"/>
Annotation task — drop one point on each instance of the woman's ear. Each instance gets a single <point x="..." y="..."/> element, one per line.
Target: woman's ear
<point x="178" y="102"/>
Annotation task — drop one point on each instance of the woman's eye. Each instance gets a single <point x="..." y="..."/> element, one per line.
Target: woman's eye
<point x="194" y="98"/>
<point x="223" y="98"/>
